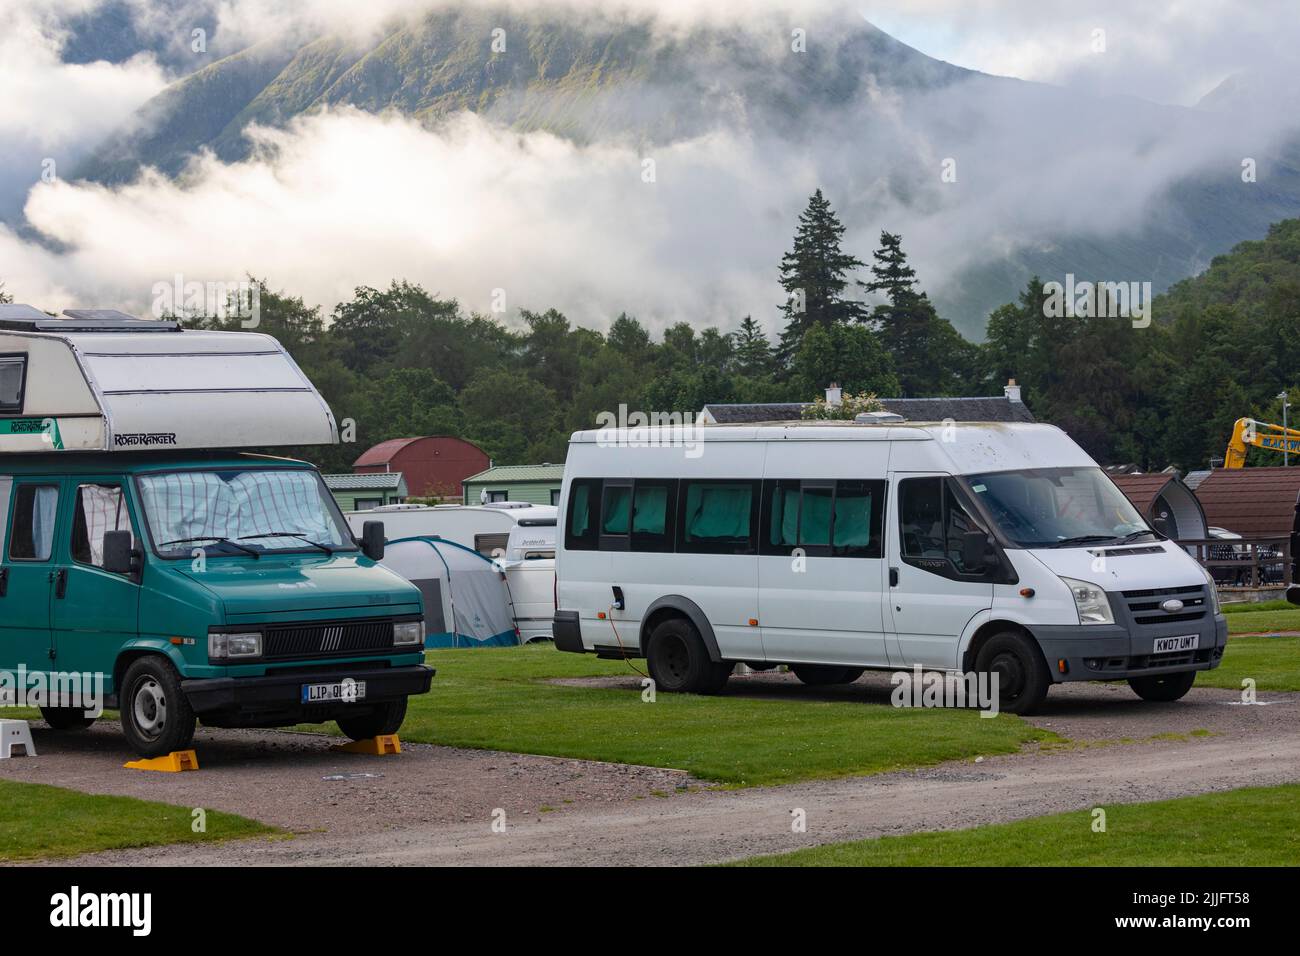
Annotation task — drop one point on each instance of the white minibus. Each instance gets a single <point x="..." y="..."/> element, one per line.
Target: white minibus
<point x="834" y="547"/>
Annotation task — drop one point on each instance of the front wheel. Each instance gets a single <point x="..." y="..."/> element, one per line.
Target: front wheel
<point x="383" y="719"/>
<point x="66" y="718"/>
<point x="156" y="717"/>
<point x="1022" y="674"/>
<point x="1163" y="687"/>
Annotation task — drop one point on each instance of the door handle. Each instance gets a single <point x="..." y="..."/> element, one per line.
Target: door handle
<point x="893" y="577"/>
<point x="60" y="583"/>
<point x="4" y="582"/>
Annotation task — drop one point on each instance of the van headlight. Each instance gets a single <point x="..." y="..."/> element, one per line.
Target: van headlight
<point x="225" y="646"/>
<point x="1213" y="588"/>
<point x="1090" y="601"/>
<point x="408" y="632"/>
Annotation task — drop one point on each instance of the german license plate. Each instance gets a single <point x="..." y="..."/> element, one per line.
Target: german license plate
<point x="346" y="690"/>
<point x="1185" y="642"/>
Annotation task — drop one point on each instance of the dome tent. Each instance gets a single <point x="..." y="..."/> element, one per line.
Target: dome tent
<point x="466" y="599"/>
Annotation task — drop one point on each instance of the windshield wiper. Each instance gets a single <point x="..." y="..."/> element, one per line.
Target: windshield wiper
<point x="1083" y="539"/>
<point x="220" y="540"/>
<point x="1133" y="535"/>
<point x="289" y="534"/>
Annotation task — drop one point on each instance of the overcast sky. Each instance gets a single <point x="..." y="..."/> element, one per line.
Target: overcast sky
<point x="315" y="220"/>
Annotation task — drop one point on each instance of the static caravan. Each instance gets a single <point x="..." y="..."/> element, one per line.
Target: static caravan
<point x="143" y="551"/>
<point x="520" y="537"/>
<point x="839" y="546"/>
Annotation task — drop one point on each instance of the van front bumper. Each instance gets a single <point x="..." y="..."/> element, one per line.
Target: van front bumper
<point x="1114" y="652"/>
<point x="276" y="699"/>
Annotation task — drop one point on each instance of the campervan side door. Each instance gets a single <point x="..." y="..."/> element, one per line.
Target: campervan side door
<point x="932" y="595"/>
<point x="94" y="611"/>
<point x="31" y="529"/>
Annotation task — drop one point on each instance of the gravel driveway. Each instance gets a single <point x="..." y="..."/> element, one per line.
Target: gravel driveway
<point x="435" y="805"/>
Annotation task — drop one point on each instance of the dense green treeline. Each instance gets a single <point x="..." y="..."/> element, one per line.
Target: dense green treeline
<point x="401" y="361"/>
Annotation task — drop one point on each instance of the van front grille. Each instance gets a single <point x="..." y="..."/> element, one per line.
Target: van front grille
<point x="1145" y="606"/>
<point x="286" y="642"/>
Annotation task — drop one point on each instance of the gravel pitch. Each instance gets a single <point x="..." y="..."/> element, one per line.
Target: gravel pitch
<point x="434" y="805"/>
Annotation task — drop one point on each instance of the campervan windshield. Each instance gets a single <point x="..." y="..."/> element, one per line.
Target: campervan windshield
<point x="252" y="511"/>
<point x="1058" y="507"/>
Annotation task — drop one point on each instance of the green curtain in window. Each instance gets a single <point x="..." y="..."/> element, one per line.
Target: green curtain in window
<point x="650" y="513"/>
<point x="614" y="517"/>
<point x="718" y="512"/>
<point x="580" y="521"/>
<point x="853" y="520"/>
<point x="815" y="520"/>
<point x="785" y="517"/>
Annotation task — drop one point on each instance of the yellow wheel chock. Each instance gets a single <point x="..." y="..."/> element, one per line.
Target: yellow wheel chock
<point x="373" y="746"/>
<point x="174" y="762"/>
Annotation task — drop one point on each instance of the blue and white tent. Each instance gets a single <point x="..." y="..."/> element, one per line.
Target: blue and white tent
<point x="466" y="599"/>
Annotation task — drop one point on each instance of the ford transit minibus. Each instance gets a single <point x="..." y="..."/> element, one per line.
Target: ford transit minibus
<point x="834" y="547"/>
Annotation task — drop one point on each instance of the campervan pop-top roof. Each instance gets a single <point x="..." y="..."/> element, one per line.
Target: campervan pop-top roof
<point x="98" y="380"/>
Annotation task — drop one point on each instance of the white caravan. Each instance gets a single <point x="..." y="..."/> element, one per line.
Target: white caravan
<point x="520" y="537"/>
<point x="839" y="546"/>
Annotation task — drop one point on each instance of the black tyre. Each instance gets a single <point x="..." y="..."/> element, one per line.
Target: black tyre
<point x="1163" y="687"/>
<point x="156" y="717"/>
<point x="821" y="675"/>
<point x="1023" y="678"/>
<point x="679" y="662"/>
<point x="382" y="719"/>
<point x="66" y="718"/>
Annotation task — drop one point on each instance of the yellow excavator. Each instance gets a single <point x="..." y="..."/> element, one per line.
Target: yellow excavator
<point x="1248" y="433"/>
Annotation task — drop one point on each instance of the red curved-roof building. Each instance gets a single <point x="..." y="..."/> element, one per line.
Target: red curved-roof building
<point x="434" y="465"/>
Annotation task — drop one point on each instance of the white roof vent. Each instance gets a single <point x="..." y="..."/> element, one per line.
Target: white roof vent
<point x="879" y="418"/>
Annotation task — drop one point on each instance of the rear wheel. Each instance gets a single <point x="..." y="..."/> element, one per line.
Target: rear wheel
<point x="66" y="718"/>
<point x="821" y="675"/>
<point x="382" y="719"/>
<point x="679" y="662"/>
<point x="156" y="717"/>
<point x="1023" y="678"/>
<point x="1163" y="687"/>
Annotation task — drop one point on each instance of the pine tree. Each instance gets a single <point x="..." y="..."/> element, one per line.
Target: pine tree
<point x="753" y="351"/>
<point x="930" y="357"/>
<point x="814" y="275"/>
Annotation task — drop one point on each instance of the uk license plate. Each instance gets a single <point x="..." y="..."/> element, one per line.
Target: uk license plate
<point x="1184" y="642"/>
<point x="346" y="690"/>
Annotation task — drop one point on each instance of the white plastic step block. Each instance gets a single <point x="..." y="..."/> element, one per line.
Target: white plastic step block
<point x="13" y="734"/>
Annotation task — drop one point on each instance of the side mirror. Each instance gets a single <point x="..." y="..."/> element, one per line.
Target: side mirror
<point x="119" y="553"/>
<point x="975" y="551"/>
<point x="372" y="540"/>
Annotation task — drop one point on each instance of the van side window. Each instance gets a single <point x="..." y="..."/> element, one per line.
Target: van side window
<point x="582" y="530"/>
<point x="932" y="521"/>
<point x="718" y="516"/>
<point x="827" y="518"/>
<point x="653" y="502"/>
<point x="920" y="516"/>
<point x="35" y="509"/>
<point x="99" y="509"/>
<point x="859" y="519"/>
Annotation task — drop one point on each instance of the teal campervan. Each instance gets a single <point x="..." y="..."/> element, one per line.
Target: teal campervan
<point x="143" y="546"/>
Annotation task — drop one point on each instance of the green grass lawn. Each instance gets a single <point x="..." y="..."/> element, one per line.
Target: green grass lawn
<point x="1270" y="616"/>
<point x="1274" y="663"/>
<point x="38" y="821"/>
<point x="498" y="699"/>
<point x="1253" y="827"/>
